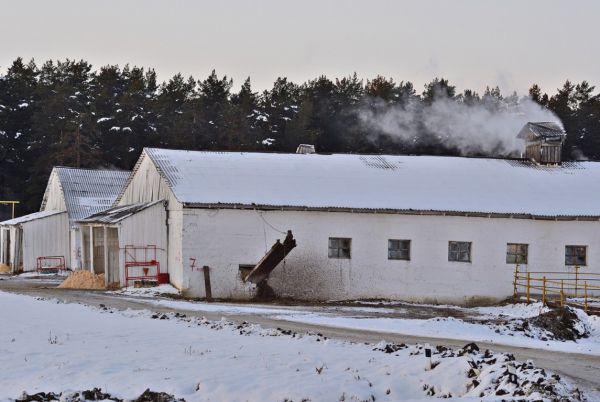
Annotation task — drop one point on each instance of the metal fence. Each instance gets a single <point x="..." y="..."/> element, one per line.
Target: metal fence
<point x="558" y="286"/>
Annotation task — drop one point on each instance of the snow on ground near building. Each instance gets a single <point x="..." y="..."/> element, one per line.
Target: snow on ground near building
<point x="164" y="289"/>
<point x="50" y="346"/>
<point x="49" y="277"/>
<point x="443" y="327"/>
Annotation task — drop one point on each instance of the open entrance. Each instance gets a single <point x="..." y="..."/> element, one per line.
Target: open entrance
<point x="98" y="249"/>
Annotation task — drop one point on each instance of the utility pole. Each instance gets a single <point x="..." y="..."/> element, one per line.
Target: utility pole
<point x="13" y="206"/>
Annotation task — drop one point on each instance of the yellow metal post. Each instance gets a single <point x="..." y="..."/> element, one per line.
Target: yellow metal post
<point x="576" y="278"/>
<point x="585" y="303"/>
<point x="562" y="298"/>
<point x="515" y="282"/>
<point x="12" y="204"/>
<point x="544" y="290"/>
<point x="528" y="286"/>
<point x="562" y="289"/>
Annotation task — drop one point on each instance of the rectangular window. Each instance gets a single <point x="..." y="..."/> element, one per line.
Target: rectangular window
<point x="339" y="247"/>
<point x="516" y="253"/>
<point x="398" y="249"/>
<point x="459" y="251"/>
<point x="575" y="255"/>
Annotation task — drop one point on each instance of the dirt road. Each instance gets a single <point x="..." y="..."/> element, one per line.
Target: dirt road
<point x="582" y="369"/>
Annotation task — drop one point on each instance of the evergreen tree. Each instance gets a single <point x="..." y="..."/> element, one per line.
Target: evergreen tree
<point x="564" y="105"/>
<point x="214" y="104"/>
<point x="242" y="132"/>
<point x="176" y="113"/>
<point x="278" y="107"/>
<point x="438" y="88"/>
<point x="18" y="100"/>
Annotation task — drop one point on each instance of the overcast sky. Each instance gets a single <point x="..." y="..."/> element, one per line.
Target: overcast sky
<point x="474" y="43"/>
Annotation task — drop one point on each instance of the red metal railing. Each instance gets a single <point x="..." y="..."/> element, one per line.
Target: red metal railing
<point x="51" y="263"/>
<point x="141" y="263"/>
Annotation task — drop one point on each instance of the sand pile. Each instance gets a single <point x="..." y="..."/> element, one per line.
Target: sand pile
<point x="83" y="280"/>
<point x="4" y="269"/>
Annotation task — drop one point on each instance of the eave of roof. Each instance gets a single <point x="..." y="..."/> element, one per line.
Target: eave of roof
<point x="117" y="214"/>
<point x="393" y="211"/>
<point x="31" y="217"/>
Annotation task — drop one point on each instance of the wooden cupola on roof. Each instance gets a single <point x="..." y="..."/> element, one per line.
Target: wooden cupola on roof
<point x="543" y="142"/>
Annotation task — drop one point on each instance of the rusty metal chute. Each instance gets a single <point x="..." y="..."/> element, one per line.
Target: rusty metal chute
<point x="274" y="256"/>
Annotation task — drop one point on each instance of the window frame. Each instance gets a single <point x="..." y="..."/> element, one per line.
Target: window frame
<point x="400" y="250"/>
<point x="516" y="254"/>
<point x="575" y="247"/>
<point x="458" y="252"/>
<point x="337" y="251"/>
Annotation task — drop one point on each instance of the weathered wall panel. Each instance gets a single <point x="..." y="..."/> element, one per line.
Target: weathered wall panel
<point x="46" y="237"/>
<point x="54" y="199"/>
<point x="147" y="227"/>
<point x="177" y="263"/>
<point x="146" y="185"/>
<point x="224" y="239"/>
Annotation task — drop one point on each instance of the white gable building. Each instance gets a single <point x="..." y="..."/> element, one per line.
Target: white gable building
<point x="421" y="228"/>
<point x="71" y="194"/>
<point x="24" y="239"/>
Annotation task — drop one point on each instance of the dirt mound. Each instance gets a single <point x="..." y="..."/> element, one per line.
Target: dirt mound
<point x="95" y="394"/>
<point x="562" y="322"/>
<point x="4" y="269"/>
<point x="83" y="280"/>
<point x="264" y="292"/>
<point x="151" y="396"/>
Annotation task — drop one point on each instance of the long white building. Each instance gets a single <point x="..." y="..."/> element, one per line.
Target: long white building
<point x="420" y="228"/>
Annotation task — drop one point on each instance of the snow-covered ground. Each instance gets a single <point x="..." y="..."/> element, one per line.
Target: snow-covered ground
<point x="480" y="327"/>
<point x="164" y="289"/>
<point x="44" y="275"/>
<point x="46" y="345"/>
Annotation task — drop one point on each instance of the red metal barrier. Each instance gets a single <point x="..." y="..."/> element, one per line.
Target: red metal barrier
<point x="142" y="260"/>
<point x="51" y="263"/>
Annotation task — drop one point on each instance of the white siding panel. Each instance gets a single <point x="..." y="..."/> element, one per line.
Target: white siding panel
<point x="223" y="239"/>
<point x="76" y="251"/>
<point x="146" y="185"/>
<point x="177" y="265"/>
<point x="54" y="198"/>
<point x="46" y="237"/>
<point x="16" y="248"/>
<point x="147" y="227"/>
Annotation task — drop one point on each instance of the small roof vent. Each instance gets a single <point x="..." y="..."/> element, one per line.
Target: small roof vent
<point x="305" y="149"/>
<point x="543" y="142"/>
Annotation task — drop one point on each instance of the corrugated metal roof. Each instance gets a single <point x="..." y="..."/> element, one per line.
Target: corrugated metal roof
<point x="381" y="182"/>
<point x="89" y="191"/>
<point x="31" y="217"/>
<point x="117" y="214"/>
<point x="546" y="129"/>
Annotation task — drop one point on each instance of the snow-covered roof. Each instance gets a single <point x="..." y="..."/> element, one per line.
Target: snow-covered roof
<point x="411" y="184"/>
<point x="117" y="214"/>
<point x="30" y="217"/>
<point x="545" y="129"/>
<point x="88" y="191"/>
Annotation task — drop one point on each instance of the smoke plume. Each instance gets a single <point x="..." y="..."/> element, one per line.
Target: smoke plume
<point x="474" y="129"/>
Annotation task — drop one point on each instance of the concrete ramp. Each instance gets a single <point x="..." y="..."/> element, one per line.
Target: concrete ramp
<point x="273" y="257"/>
